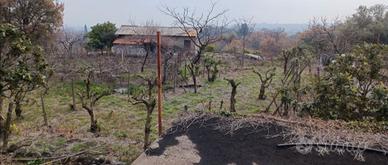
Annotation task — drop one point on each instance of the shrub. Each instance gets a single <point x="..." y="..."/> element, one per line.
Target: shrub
<point x="380" y="102"/>
<point x="351" y="88"/>
<point x="210" y="48"/>
<point x="211" y="66"/>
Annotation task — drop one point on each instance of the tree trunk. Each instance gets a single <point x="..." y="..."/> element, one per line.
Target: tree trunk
<point x="208" y="73"/>
<point x="262" y="92"/>
<point x="7" y="125"/>
<point x="285" y="65"/>
<point x="193" y="76"/>
<point x="214" y="73"/>
<point x="74" y="106"/>
<point x="93" y="120"/>
<point x="319" y="68"/>
<point x="195" y="83"/>
<point x="175" y="74"/>
<point x="147" y="128"/>
<point x="1" y="104"/>
<point x="18" y="110"/>
<point x="128" y="82"/>
<point x="285" y="109"/>
<point x="272" y="102"/>
<point x="233" y="100"/>
<point x="145" y="60"/>
<point x="233" y="95"/>
<point x="93" y="123"/>
<point x="1" y="117"/>
<point x="243" y="53"/>
<point x="43" y="110"/>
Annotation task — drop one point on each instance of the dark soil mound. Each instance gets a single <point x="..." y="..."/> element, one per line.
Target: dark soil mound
<point x="251" y="145"/>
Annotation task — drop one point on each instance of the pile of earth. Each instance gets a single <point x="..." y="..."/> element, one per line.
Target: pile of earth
<point x="212" y="139"/>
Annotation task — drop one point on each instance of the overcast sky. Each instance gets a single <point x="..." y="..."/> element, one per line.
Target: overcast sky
<point x="90" y="12"/>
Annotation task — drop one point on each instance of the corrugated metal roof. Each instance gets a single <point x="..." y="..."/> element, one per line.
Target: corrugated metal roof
<point x="151" y="30"/>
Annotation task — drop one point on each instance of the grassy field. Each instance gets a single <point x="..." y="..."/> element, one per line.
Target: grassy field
<point x="122" y="123"/>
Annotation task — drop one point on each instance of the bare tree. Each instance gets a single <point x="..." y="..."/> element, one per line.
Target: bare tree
<point x="290" y="91"/>
<point x="68" y="40"/>
<point x="327" y="37"/>
<point x="244" y="28"/>
<point x="42" y="102"/>
<point x="271" y="42"/>
<point x="43" y="93"/>
<point x="149" y="101"/>
<point x="287" y="55"/>
<point x="265" y="80"/>
<point x="234" y="86"/>
<point x="148" y="41"/>
<point x="89" y="97"/>
<point x="204" y="29"/>
<point x="329" y="32"/>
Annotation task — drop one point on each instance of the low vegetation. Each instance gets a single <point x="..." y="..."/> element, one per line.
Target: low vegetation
<point x="75" y="101"/>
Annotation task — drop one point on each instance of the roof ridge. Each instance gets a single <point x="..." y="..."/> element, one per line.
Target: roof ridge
<point x="149" y="26"/>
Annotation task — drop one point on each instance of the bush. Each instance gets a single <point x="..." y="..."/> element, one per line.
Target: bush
<point x="211" y="66"/>
<point x="380" y="102"/>
<point x="351" y="88"/>
<point x="184" y="73"/>
<point x="210" y="48"/>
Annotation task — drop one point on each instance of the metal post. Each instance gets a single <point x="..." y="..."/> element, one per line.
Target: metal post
<point x="159" y="79"/>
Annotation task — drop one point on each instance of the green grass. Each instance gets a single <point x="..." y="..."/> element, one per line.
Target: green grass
<point x="121" y="123"/>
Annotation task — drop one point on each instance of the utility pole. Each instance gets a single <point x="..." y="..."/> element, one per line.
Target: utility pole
<point x="159" y="79"/>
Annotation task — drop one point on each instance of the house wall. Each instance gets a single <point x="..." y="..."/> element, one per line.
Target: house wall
<point x="134" y="50"/>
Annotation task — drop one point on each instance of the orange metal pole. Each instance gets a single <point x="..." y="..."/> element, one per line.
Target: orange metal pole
<point x="159" y="79"/>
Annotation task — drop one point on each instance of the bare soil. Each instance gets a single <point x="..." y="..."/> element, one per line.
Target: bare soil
<point x="205" y="143"/>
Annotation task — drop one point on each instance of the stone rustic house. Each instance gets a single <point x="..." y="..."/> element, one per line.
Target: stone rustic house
<point x="131" y="39"/>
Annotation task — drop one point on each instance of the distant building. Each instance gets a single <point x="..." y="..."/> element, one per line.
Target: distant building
<point x="131" y="39"/>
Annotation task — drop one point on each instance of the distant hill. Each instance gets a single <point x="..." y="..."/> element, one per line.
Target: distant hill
<point x="288" y="28"/>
